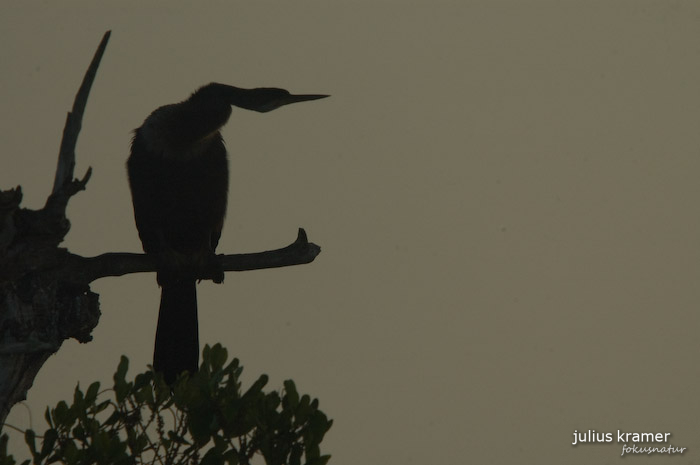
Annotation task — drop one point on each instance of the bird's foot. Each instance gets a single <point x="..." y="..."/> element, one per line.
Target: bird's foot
<point x="213" y="270"/>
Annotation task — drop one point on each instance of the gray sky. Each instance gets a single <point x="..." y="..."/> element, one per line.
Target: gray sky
<point x="505" y="193"/>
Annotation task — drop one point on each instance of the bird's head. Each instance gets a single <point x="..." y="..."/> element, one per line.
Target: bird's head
<point x="261" y="99"/>
<point x="264" y="99"/>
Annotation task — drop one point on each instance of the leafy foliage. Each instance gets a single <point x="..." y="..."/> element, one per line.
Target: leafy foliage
<point x="204" y="418"/>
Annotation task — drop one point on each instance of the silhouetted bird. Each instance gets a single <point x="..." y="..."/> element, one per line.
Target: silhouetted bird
<point x="178" y="174"/>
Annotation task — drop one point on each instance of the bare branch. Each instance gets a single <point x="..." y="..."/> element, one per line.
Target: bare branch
<point x="74" y="120"/>
<point x="83" y="270"/>
<point x="299" y="252"/>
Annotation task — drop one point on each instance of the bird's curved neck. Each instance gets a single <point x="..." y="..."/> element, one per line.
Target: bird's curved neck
<point x="181" y="129"/>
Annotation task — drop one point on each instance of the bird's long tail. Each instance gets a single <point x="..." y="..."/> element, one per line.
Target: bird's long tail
<point x="177" y="339"/>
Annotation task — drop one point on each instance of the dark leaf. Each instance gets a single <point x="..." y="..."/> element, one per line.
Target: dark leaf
<point x="91" y="393"/>
<point x="322" y="460"/>
<point x="47" y="446"/>
<point x="121" y="387"/>
<point x="213" y="457"/>
<point x="231" y="457"/>
<point x="291" y="396"/>
<point x="30" y="439"/>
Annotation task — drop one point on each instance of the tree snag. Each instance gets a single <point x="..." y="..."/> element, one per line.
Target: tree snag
<point x="45" y="295"/>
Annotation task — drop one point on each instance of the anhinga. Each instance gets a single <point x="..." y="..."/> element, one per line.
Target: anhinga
<point x="178" y="174"/>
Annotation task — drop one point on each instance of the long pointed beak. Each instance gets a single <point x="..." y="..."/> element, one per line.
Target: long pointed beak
<point x="302" y="98"/>
<point x="286" y="100"/>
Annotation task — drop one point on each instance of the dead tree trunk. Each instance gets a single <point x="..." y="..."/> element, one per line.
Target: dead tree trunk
<point x="45" y="297"/>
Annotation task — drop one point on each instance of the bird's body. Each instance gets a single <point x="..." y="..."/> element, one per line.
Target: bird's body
<point x="178" y="174"/>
